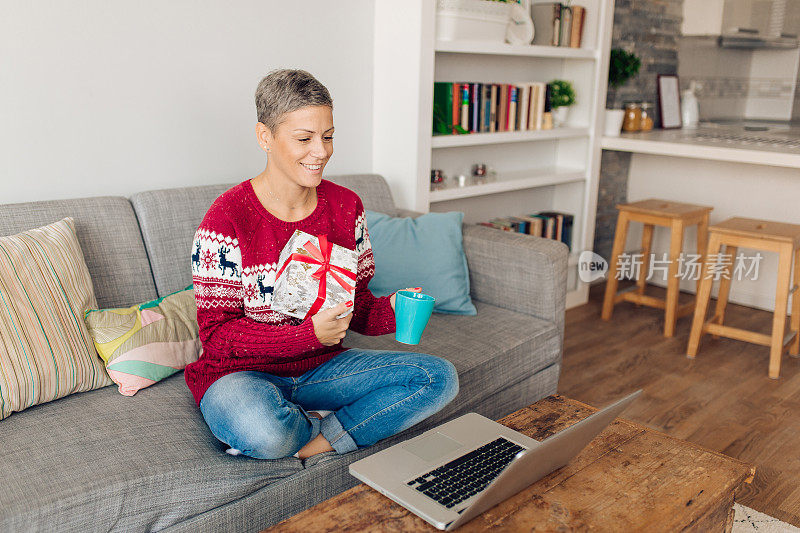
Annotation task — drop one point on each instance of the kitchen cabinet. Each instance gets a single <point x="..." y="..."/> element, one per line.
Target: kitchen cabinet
<point x="725" y="17"/>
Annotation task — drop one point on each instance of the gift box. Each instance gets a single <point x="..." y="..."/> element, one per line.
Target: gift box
<point x="313" y="274"/>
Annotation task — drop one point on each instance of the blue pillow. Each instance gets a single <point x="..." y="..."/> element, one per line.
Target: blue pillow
<point x="423" y="252"/>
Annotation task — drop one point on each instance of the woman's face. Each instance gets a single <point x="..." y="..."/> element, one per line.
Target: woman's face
<point x="302" y="144"/>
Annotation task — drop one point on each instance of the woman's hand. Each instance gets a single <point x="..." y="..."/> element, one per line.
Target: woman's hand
<point x="392" y="297"/>
<point x="329" y="329"/>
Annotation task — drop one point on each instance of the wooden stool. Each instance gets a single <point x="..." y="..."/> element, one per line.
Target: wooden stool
<point x="651" y="213"/>
<point x="760" y="235"/>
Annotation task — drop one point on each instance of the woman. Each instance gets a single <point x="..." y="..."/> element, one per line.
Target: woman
<point x="261" y="372"/>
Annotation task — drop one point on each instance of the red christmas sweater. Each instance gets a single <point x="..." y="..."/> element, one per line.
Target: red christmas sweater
<point x="234" y="261"/>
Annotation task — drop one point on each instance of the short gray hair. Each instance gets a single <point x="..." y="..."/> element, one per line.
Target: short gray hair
<point x="286" y="90"/>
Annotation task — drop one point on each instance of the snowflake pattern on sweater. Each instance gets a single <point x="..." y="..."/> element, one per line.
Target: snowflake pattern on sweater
<point x="234" y="264"/>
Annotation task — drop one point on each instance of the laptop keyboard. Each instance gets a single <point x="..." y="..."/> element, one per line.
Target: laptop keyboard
<point x="461" y="478"/>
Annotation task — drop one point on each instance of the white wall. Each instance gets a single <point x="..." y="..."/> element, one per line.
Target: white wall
<point x="111" y="97"/>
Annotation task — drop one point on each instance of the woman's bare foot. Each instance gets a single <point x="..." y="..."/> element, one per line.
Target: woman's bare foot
<point x="318" y="444"/>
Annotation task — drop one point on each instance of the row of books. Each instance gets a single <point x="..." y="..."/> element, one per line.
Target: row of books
<point x="558" y="24"/>
<point x="548" y="224"/>
<point x="489" y="107"/>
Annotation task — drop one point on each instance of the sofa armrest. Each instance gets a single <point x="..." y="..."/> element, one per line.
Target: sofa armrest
<point x="518" y="272"/>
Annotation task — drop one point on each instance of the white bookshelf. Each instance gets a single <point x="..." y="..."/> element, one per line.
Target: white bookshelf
<point x="514" y="180"/>
<point x="536" y="170"/>
<point x="482" y="47"/>
<point x="502" y="137"/>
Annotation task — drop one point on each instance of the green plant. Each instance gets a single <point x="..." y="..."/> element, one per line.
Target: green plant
<point x="442" y="124"/>
<point x="622" y="67"/>
<point x="562" y="93"/>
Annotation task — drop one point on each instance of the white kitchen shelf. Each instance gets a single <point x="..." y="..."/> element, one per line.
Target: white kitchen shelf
<point x="494" y="48"/>
<point x="474" y="139"/>
<point x="512" y="181"/>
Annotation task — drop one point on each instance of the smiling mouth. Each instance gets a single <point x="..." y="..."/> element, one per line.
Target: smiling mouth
<point x="311" y="167"/>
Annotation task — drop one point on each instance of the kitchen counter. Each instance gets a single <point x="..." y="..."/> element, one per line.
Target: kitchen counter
<point x="737" y="170"/>
<point x="779" y="147"/>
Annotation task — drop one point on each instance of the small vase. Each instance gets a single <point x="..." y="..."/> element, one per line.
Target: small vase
<point x="560" y="116"/>
<point x="613" y="122"/>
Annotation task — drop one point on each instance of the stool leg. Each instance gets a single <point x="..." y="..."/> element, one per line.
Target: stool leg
<point x="611" y="284"/>
<point x="794" y="348"/>
<point x="673" y="281"/>
<point x="724" y="288"/>
<point x="779" y="316"/>
<point x="703" y="295"/>
<point x="702" y="244"/>
<point x="647" y="244"/>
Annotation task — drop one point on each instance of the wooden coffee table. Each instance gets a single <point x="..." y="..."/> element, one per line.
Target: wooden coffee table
<point x="629" y="478"/>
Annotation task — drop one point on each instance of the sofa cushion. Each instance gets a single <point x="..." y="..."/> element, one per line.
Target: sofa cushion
<point x="104" y="461"/>
<point x="110" y="239"/>
<point x="426" y="251"/>
<point x="170" y="217"/>
<point x="145" y="343"/>
<point x="371" y="188"/>
<point x="45" y="350"/>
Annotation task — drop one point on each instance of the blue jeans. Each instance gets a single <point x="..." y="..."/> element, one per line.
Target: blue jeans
<point x="372" y="395"/>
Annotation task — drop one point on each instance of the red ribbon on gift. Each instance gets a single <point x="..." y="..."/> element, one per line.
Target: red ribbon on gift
<point x="321" y="256"/>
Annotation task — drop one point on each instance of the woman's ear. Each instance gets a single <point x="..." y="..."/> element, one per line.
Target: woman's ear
<point x="264" y="136"/>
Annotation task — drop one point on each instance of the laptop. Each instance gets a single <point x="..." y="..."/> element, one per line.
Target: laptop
<point x="452" y="473"/>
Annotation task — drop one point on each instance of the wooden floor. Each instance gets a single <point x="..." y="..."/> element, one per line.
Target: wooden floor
<point x="722" y="400"/>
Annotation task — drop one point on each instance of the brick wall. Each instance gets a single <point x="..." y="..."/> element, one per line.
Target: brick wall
<point x="650" y="29"/>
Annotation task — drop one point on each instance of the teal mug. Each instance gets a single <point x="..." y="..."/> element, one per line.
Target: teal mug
<point x="412" y="310"/>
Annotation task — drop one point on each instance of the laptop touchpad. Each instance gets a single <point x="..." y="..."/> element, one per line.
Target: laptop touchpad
<point x="432" y="447"/>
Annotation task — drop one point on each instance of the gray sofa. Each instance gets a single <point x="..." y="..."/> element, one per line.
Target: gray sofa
<point x="100" y="461"/>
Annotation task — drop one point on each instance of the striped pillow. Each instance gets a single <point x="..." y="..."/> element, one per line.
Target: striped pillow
<point x="45" y="349"/>
<point x="146" y="343"/>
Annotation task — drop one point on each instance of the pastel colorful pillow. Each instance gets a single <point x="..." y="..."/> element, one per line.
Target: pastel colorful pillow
<point x="146" y="343"/>
<point x="45" y="349"/>
<point x="426" y="252"/>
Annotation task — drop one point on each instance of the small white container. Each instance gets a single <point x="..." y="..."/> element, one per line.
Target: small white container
<point x="560" y="116"/>
<point x="690" y="111"/>
<point x="613" y="122"/>
<point x="472" y="20"/>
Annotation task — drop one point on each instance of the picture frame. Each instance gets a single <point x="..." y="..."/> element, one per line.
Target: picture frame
<point x="669" y="98"/>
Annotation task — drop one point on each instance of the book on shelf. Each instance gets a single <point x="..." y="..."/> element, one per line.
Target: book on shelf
<point x="562" y="226"/>
<point x="558" y="24"/>
<point x="534" y="225"/>
<point x="523" y="105"/>
<point x="536" y="106"/>
<point x="493" y="110"/>
<point x="443" y="104"/>
<point x="565" y="28"/>
<point x="475" y="107"/>
<point x="547" y="112"/>
<point x="511" y="115"/>
<point x="465" y="106"/>
<point x="554" y="225"/>
<point x="456" y="104"/>
<point x="547" y="23"/>
<point x="486" y="110"/>
<point x="578" y="21"/>
<point x="502" y="108"/>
